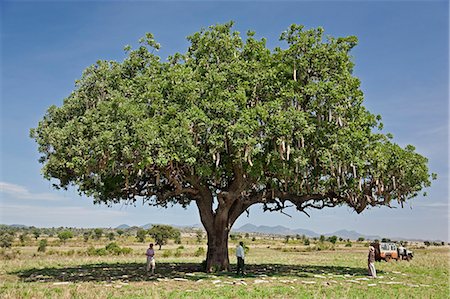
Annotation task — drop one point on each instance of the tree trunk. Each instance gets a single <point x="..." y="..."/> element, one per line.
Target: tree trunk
<point x="217" y="224"/>
<point x="217" y="256"/>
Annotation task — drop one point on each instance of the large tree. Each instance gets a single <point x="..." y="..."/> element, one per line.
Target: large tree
<point x="227" y="125"/>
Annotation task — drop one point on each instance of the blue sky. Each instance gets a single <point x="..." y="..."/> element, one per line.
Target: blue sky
<point x="401" y="59"/>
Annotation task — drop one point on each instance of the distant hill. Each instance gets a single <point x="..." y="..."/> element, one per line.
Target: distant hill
<point x="352" y="235"/>
<point x="18" y="225"/>
<point x="281" y="230"/>
<point x="123" y="226"/>
<point x="147" y="226"/>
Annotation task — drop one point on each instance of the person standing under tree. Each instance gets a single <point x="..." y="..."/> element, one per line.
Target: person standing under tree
<point x="371" y="262"/>
<point x="240" y="258"/>
<point x="150" y="258"/>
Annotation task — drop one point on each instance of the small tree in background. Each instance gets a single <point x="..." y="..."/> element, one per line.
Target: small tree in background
<point x="98" y="232"/>
<point x="111" y="236"/>
<point x="6" y="239"/>
<point x="332" y="239"/>
<point x="161" y="233"/>
<point x="36" y="233"/>
<point x="23" y="237"/>
<point x="42" y="245"/>
<point x="140" y="235"/>
<point x="199" y="235"/>
<point x="120" y="232"/>
<point x="286" y="239"/>
<point x="65" y="235"/>
<point x="86" y="236"/>
<point x="361" y="239"/>
<point x="322" y="239"/>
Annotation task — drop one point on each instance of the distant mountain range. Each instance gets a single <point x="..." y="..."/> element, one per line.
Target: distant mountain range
<point x="281" y="230"/>
<point x="123" y="226"/>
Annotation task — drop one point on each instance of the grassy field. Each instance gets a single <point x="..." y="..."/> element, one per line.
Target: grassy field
<point x="275" y="270"/>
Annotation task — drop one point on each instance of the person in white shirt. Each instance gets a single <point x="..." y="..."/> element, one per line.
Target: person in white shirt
<point x="150" y="258"/>
<point x="240" y="258"/>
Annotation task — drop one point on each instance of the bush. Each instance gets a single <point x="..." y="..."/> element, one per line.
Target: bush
<point x="9" y="255"/>
<point x="167" y="253"/>
<point x="6" y="240"/>
<point x="42" y="245"/>
<point x="332" y="239"/>
<point x="110" y="249"/>
<point x="140" y="235"/>
<point x="349" y="244"/>
<point x="200" y="251"/>
<point x="177" y="253"/>
<point x="113" y="248"/>
<point x="306" y="242"/>
<point x="127" y="250"/>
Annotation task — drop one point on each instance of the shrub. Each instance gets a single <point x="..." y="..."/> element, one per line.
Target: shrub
<point x="306" y="242"/>
<point x="6" y="240"/>
<point x="9" y="255"/>
<point x="23" y="238"/>
<point x="332" y="239"/>
<point x="127" y="250"/>
<point x="349" y="244"/>
<point x="98" y="232"/>
<point x="110" y="249"/>
<point x="111" y="236"/>
<point x="235" y="237"/>
<point x="177" y="253"/>
<point x="42" y="245"/>
<point x="86" y="236"/>
<point x="167" y="253"/>
<point x="113" y="248"/>
<point x="200" y="251"/>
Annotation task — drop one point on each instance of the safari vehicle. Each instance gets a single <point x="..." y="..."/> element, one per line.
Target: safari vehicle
<point x="387" y="251"/>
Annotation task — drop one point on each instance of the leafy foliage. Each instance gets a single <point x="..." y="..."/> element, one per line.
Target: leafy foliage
<point x="6" y="239"/>
<point x="290" y="122"/>
<point x="65" y="235"/>
<point x="161" y="233"/>
<point x="42" y="245"/>
<point x="140" y="235"/>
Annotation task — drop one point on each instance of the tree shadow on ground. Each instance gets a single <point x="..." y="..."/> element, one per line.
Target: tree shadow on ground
<point x="108" y="272"/>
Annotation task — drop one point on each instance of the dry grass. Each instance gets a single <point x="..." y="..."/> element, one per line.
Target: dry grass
<point x="272" y="273"/>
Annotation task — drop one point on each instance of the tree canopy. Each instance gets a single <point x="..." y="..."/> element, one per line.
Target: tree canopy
<point x="228" y="124"/>
<point x="161" y="233"/>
